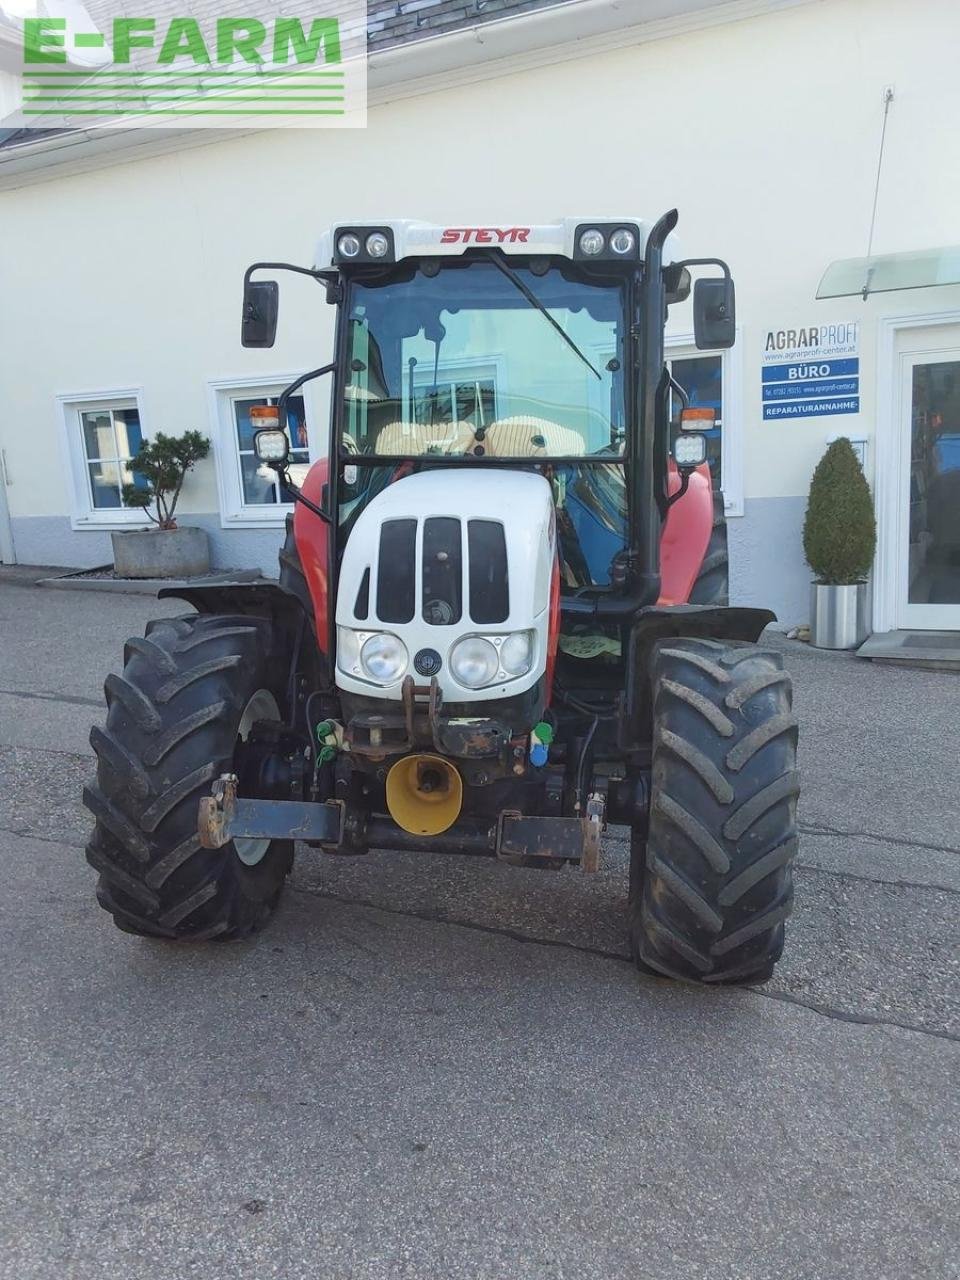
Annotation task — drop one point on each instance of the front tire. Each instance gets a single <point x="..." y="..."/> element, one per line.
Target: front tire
<point x="712" y="585"/>
<point x="189" y="692"/>
<point x="712" y="878"/>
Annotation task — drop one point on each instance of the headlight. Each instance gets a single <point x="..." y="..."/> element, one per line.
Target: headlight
<point x="377" y="245"/>
<point x="384" y="657"/>
<point x="592" y="243"/>
<point x="516" y="653"/>
<point x="348" y="246"/>
<point x="474" y="662"/>
<point x="623" y="242"/>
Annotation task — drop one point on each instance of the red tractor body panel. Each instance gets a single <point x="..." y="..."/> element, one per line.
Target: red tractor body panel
<point x="313" y="546"/>
<point x="683" y="545"/>
<point x="686" y="535"/>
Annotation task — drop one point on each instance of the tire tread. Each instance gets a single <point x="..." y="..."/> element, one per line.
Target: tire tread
<point x="714" y="871"/>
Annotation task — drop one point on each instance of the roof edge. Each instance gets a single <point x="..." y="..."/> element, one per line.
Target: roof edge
<point x="569" y="30"/>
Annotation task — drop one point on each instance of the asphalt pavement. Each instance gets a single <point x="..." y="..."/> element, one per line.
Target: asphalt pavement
<point x="439" y="1067"/>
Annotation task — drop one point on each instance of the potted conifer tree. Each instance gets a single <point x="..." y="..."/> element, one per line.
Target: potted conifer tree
<point x="166" y="550"/>
<point x="839" y="539"/>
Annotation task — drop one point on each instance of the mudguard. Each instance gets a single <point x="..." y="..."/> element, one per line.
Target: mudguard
<point x="312" y="536"/>
<point x="659" y="622"/>
<point x="686" y="535"/>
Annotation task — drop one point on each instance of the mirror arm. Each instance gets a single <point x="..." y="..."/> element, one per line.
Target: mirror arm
<point x="685" y="474"/>
<point x="298" y="494"/>
<point x="324" y="275"/>
<point x="281" y="467"/>
<point x="295" y="386"/>
<point x="679" y="391"/>
<point x="705" y="262"/>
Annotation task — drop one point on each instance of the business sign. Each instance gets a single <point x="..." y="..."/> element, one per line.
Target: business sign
<point x="246" y="68"/>
<point x="811" y="372"/>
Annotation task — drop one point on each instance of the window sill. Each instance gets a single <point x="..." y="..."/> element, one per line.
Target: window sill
<point x="251" y="518"/>
<point x="115" y="520"/>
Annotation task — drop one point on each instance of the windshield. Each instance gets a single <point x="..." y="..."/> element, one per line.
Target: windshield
<point x="465" y="362"/>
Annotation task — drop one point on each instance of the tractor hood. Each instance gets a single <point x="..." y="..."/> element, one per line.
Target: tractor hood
<point x="447" y="573"/>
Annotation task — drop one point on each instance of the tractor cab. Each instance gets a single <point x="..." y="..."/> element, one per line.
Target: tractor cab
<point x="501" y="620"/>
<point x="476" y="359"/>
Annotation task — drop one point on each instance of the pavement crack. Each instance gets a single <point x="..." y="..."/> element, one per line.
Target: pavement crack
<point x="782" y="997"/>
<point x="54" y="697"/>
<point x="8" y="748"/>
<point x="22" y="833"/>
<point x="891" y="884"/>
<point x="842" y="1015"/>
<point x="807" y="828"/>
<point x="432" y="917"/>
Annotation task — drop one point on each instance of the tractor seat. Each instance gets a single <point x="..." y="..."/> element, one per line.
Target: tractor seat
<point x="529" y="437"/>
<point x="418" y="439"/>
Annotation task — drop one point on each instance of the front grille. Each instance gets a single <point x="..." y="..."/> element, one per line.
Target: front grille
<point x="442" y="571"/>
<point x="397" y="572"/>
<point x="442" y="601"/>
<point x="489" y="588"/>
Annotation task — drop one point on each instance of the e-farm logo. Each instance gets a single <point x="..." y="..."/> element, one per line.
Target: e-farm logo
<point x="300" y="68"/>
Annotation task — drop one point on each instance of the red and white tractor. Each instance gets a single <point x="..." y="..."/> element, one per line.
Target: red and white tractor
<point x="501" y="621"/>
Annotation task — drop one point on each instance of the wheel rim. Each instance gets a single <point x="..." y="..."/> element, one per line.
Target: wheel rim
<point x="262" y="706"/>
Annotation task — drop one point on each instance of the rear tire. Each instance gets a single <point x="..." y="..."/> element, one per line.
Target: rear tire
<point x="712" y="879"/>
<point x="172" y="727"/>
<point x="712" y="585"/>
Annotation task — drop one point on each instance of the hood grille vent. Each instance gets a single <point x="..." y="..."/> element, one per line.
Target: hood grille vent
<point x="441" y="572"/>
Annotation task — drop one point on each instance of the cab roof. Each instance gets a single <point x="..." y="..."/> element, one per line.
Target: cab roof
<point x="412" y="239"/>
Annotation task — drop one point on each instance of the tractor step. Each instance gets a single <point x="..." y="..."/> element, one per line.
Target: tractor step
<point x="517" y="838"/>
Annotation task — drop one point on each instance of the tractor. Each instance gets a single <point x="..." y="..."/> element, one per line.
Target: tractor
<point x="501" y="621"/>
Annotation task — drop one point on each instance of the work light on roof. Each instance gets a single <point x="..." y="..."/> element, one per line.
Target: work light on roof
<point x="592" y="243"/>
<point x="348" y="246"/>
<point x="378" y="245"/>
<point x="623" y="242"/>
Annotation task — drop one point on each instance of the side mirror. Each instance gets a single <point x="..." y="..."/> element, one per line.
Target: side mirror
<point x="714" y="314"/>
<point x="261" y="303"/>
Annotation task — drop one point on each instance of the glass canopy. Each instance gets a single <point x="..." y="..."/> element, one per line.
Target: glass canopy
<point x="887" y="272"/>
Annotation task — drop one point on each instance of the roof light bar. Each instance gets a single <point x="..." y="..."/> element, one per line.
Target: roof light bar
<point x="362" y="246"/>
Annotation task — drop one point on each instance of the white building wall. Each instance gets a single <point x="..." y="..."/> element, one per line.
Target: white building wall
<point x="763" y="132"/>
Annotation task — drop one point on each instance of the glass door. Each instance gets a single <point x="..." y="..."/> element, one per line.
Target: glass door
<point x="930" y="486"/>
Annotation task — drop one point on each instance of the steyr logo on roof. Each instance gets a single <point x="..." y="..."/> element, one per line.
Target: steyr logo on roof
<point x="485" y="235"/>
<point x="298" y="69"/>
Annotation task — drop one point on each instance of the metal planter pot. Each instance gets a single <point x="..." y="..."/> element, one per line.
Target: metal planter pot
<point x="161" y="553"/>
<point x="838" y="616"/>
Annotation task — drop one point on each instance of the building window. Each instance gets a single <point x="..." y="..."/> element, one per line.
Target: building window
<point x="111" y="438"/>
<point x="250" y="492"/>
<point x="701" y="377"/>
<point x="260" y="484"/>
<point x="714" y="380"/>
<point x="102" y="434"/>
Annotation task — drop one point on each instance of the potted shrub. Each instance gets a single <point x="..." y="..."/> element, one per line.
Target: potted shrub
<point x="165" y="551"/>
<point x="839" y="539"/>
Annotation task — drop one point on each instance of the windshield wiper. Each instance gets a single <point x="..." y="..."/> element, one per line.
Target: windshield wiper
<point x="534" y="301"/>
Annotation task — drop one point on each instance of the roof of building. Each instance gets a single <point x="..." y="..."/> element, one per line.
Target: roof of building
<point x="390" y="23"/>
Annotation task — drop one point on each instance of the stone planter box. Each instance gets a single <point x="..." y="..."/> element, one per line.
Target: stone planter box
<point x="161" y="553"/>
<point x="838" y="616"/>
